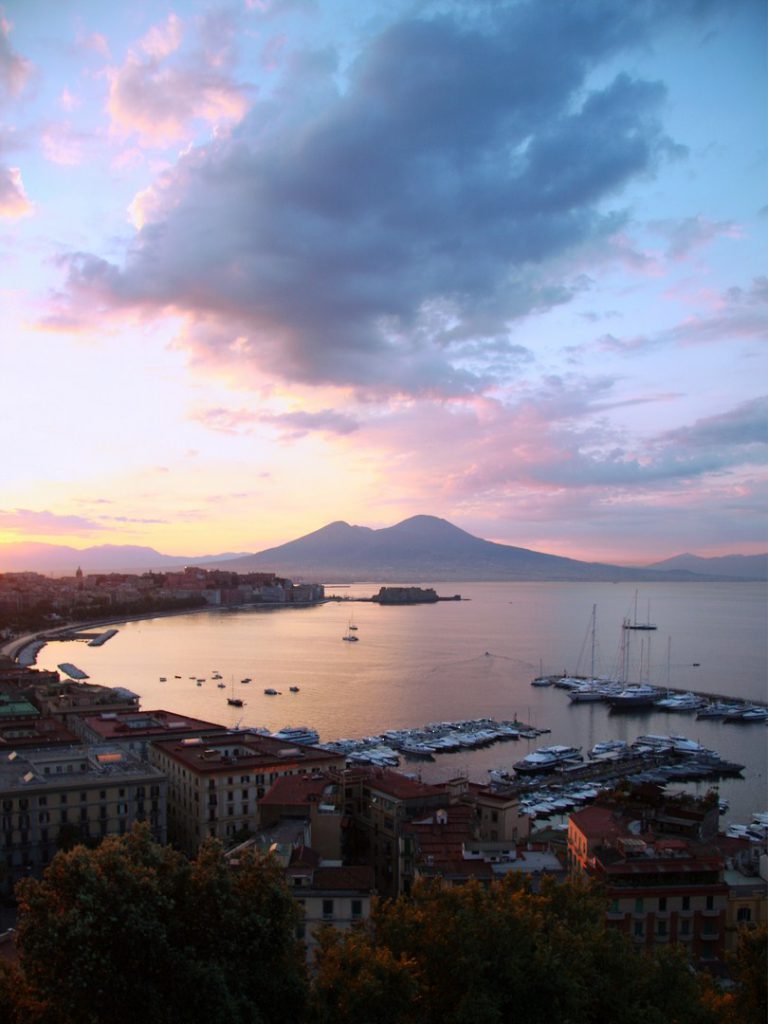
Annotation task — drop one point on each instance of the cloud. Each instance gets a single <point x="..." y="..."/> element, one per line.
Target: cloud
<point x="737" y="313"/>
<point x="14" y="69"/>
<point x="159" y="90"/>
<point x="692" y="232"/>
<point x="62" y="145"/>
<point x="14" y="202"/>
<point x="291" y="424"/>
<point x="362" y="223"/>
<point x="28" y="521"/>
<point x="743" y="427"/>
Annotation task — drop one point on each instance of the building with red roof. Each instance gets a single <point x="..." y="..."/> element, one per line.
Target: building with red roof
<point x="663" y="887"/>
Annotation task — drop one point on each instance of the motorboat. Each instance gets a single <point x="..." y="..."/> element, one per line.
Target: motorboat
<point x="634" y="695"/>
<point x="270" y="692"/>
<point x="681" y="702"/>
<point x="235" y="702"/>
<point x="547" y="759"/>
<point x="297" y="734"/>
<point x="609" y="747"/>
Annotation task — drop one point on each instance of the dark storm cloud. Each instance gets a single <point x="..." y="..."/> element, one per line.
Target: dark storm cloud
<point x="358" y="233"/>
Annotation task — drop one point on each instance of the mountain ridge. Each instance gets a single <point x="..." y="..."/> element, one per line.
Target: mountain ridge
<point x="421" y="547"/>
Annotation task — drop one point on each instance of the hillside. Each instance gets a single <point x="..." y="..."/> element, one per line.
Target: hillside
<point x="753" y="567"/>
<point x="63" y="559"/>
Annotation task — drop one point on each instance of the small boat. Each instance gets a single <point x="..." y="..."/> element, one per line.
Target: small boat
<point x="542" y="681"/>
<point x="199" y="682"/>
<point x="246" y="680"/>
<point x="163" y="679"/>
<point x="235" y="702"/>
<point x="293" y="689"/>
<point x="177" y="677"/>
<point x="270" y="692"/>
<point x="350" y="638"/>
<point x="221" y="685"/>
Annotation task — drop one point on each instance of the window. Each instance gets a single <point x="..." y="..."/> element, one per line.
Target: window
<point x="710" y="902"/>
<point x="83" y="797"/>
<point x="327" y="908"/>
<point x="357" y="908"/>
<point x="63" y="798"/>
<point x="639" y="929"/>
<point x="685" y="927"/>
<point x="639" y="905"/>
<point x="744" y="915"/>
<point x="662" y="903"/>
<point x="661" y="927"/>
<point x="686" y="902"/>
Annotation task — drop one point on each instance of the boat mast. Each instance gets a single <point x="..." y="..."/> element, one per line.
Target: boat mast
<point x="594" y="620"/>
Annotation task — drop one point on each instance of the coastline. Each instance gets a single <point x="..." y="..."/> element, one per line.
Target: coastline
<point x="15" y="648"/>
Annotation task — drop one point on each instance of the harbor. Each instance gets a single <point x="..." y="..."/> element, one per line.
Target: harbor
<point x="426" y="664"/>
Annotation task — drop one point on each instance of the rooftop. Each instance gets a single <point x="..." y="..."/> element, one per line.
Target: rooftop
<point x="245" y="748"/>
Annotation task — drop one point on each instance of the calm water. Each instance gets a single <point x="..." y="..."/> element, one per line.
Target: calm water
<point x="457" y="660"/>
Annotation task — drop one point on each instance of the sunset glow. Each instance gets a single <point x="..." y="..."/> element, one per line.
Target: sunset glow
<point x="270" y="265"/>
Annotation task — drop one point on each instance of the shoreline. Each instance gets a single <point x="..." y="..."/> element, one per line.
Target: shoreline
<point x="15" y="648"/>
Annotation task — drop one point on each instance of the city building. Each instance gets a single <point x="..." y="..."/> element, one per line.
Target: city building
<point x="661" y="887"/>
<point x="215" y="782"/>
<point x="135" y="730"/>
<point x="378" y="803"/>
<point x="55" y="796"/>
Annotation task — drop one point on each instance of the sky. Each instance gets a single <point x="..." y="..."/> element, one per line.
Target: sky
<point x="268" y="264"/>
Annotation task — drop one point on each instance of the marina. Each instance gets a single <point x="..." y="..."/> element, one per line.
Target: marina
<point x="428" y="664"/>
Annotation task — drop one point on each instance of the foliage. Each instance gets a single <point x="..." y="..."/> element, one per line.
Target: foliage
<point x="747" y="1003"/>
<point x="359" y="981"/>
<point x="502" y="953"/>
<point x="133" y="931"/>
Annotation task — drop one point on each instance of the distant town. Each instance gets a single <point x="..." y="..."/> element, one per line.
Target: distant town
<point x="32" y="601"/>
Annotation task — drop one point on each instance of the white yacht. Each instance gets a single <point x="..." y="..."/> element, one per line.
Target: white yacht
<point x="297" y="734"/>
<point x="546" y="759"/>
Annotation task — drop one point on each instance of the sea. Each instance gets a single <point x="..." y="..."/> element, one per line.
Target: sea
<point x="457" y="660"/>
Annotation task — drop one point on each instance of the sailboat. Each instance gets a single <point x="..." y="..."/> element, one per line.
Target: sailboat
<point x="350" y="637"/>
<point x="640" y="625"/>
<point x="236" y="702"/>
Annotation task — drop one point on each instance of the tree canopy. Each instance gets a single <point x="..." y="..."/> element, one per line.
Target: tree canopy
<point x="133" y="931"/>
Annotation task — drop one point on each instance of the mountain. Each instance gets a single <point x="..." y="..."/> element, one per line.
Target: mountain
<point x="422" y="548"/>
<point x="417" y="549"/>
<point x="62" y="559"/>
<point x="752" y="567"/>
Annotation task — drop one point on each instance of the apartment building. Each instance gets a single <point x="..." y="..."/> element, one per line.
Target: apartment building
<point x="215" y="782"/>
<point x="135" y="730"/>
<point x="55" y="796"/>
<point x="661" y="888"/>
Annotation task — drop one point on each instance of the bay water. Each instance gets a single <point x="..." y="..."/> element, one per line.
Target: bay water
<point x="458" y="660"/>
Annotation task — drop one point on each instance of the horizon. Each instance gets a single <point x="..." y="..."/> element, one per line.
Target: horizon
<point x="624" y="562"/>
<point x="268" y="261"/>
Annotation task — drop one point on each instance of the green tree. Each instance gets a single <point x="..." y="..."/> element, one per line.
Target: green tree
<point x="133" y="931"/>
<point x="498" y="954"/>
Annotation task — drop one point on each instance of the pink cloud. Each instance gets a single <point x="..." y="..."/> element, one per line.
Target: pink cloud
<point x="158" y="90"/>
<point x="14" y="69"/>
<point x="13" y="199"/>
